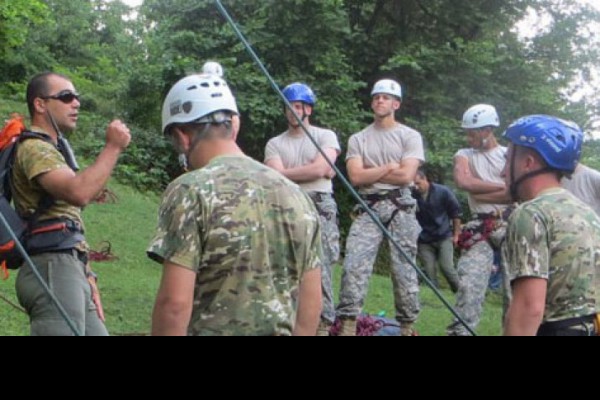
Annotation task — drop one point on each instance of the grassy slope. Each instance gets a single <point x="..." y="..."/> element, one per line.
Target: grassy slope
<point x="129" y="285"/>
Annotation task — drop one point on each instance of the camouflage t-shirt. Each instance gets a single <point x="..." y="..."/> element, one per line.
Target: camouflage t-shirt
<point x="556" y="237"/>
<point x="250" y="235"/>
<point x="35" y="158"/>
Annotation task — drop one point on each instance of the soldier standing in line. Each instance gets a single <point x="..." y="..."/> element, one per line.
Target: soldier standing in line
<point x="295" y="156"/>
<point x="240" y="244"/>
<point x="478" y="170"/>
<point x="382" y="162"/>
<point x="552" y="247"/>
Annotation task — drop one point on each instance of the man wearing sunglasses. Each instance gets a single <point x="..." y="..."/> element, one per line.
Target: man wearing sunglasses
<point x="50" y="192"/>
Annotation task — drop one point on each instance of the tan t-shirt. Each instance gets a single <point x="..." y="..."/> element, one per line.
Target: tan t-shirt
<point x="487" y="166"/>
<point x="298" y="150"/>
<point x="381" y="147"/>
<point x="585" y="185"/>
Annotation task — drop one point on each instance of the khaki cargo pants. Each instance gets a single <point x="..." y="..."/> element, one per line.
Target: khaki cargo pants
<point x="65" y="274"/>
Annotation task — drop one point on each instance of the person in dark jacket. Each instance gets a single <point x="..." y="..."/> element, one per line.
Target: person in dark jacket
<point x="439" y="213"/>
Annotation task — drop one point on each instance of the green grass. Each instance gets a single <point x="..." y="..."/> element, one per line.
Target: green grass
<point x="128" y="284"/>
<point x="434" y="317"/>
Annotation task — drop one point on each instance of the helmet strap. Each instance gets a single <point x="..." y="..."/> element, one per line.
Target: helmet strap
<point x="304" y="113"/>
<point x="516" y="183"/>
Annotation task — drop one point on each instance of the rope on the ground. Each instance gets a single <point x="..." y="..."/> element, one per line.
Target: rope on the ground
<point x="104" y="255"/>
<point x="107" y="196"/>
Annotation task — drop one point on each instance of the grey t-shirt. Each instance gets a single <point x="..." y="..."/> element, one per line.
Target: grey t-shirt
<point x="298" y="150"/>
<point x="585" y="185"/>
<point x="487" y="166"/>
<point x="381" y="147"/>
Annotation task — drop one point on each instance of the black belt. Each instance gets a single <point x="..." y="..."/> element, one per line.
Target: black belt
<point x="393" y="196"/>
<point x="569" y="327"/>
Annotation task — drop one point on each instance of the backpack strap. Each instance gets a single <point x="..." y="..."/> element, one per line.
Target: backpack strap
<point x="63" y="147"/>
<point x="47" y="201"/>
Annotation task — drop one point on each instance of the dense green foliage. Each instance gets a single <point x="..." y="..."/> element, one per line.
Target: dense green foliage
<point x="449" y="54"/>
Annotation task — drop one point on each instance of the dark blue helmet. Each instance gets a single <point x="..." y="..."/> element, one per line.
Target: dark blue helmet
<point x="300" y="92"/>
<point x="558" y="142"/>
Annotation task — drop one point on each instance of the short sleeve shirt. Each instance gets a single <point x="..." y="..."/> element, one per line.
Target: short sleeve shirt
<point x="585" y="185"/>
<point x="556" y="238"/>
<point x="381" y="147"/>
<point x="486" y="166"/>
<point x="35" y="158"/>
<point x="250" y="235"/>
<point x="298" y="150"/>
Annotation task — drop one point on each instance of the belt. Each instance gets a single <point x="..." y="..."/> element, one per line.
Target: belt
<point x="56" y="225"/>
<point x="392" y="196"/>
<point x="377" y="197"/>
<point x="81" y="256"/>
<point x="581" y="326"/>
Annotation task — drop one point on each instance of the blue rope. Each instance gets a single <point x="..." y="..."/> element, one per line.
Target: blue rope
<point x="341" y="176"/>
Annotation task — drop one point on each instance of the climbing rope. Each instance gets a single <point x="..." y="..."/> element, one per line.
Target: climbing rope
<point x="387" y="234"/>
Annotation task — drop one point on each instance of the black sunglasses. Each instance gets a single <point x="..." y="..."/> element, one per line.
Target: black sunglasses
<point x="66" y="96"/>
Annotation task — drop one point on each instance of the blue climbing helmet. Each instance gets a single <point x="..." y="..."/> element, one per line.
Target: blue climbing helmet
<point x="300" y="92"/>
<point x="557" y="141"/>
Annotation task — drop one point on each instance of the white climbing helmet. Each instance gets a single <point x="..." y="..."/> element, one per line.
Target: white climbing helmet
<point x="213" y="68"/>
<point x="387" y="86"/>
<point x="198" y="98"/>
<point x="481" y="116"/>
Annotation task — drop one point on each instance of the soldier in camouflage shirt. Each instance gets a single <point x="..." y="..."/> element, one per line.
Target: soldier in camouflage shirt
<point x="552" y="249"/>
<point x="41" y="171"/>
<point x="240" y="244"/>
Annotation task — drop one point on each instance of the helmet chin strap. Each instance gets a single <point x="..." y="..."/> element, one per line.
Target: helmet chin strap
<point x="516" y="183"/>
<point x="304" y="115"/>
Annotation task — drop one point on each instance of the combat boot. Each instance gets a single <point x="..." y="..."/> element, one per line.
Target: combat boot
<point x="324" y="329"/>
<point x="348" y="327"/>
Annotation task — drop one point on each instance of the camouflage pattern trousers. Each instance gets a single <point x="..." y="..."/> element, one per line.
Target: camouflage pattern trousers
<point x="474" y="270"/>
<point x="330" y="236"/>
<point x="362" y="247"/>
